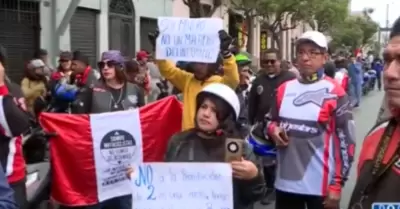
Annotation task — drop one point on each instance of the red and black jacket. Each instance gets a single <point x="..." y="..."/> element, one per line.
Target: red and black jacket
<point x="13" y="122"/>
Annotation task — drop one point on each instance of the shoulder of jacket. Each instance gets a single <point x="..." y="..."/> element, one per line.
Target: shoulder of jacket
<point x="180" y="136"/>
<point x="286" y="82"/>
<point x="289" y="74"/>
<point x="332" y="81"/>
<point x="258" y="78"/>
<point x="24" y="80"/>
<point x="377" y="127"/>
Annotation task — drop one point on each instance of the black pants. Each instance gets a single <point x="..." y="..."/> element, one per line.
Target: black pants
<point x="379" y="80"/>
<point x="269" y="176"/>
<point x="285" y="200"/>
<point x="20" y="194"/>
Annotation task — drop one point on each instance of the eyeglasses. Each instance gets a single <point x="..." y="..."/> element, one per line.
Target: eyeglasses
<point x="310" y="54"/>
<point x="102" y="65"/>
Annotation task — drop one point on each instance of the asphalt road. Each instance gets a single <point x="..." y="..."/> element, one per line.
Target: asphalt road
<point x="365" y="117"/>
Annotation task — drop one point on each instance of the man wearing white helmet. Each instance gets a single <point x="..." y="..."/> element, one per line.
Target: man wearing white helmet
<point x="217" y="110"/>
<point x="312" y="125"/>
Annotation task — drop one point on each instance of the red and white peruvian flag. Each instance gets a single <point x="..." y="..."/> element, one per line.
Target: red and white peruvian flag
<point x="90" y="154"/>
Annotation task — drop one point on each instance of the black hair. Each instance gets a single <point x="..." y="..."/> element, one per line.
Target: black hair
<point x="3" y="55"/>
<point x="341" y="63"/>
<point x="78" y="55"/>
<point x="395" y="28"/>
<point x="39" y="53"/>
<point x="330" y="69"/>
<point x="225" y="114"/>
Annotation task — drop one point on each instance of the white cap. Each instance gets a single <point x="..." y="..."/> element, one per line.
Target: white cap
<point x="37" y="63"/>
<point x="225" y="93"/>
<point x="317" y="37"/>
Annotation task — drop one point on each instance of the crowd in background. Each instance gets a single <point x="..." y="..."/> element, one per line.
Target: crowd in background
<point x="117" y="83"/>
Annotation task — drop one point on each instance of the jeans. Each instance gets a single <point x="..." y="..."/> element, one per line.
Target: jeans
<point x="356" y="90"/>
<point x="123" y="202"/>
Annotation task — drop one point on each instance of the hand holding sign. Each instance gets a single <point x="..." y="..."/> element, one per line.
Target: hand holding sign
<point x="153" y="37"/>
<point x="190" y="39"/>
<point x="179" y="185"/>
<point x="226" y="40"/>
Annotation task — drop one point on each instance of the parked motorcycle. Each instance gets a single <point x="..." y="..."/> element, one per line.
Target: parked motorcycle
<point x="36" y="153"/>
<point x="369" y="80"/>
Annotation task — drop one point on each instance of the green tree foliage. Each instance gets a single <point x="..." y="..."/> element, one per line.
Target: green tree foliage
<point x="347" y="36"/>
<point x="368" y="26"/>
<point x="329" y="13"/>
<point x="277" y="15"/>
<point x="355" y="32"/>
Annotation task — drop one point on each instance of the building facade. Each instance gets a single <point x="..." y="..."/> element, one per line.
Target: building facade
<point x="94" y="26"/>
<point x="91" y="26"/>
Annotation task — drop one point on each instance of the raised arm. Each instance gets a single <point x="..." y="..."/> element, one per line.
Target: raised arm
<point x="231" y="73"/>
<point x="176" y="76"/>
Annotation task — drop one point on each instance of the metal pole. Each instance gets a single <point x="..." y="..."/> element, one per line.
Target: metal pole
<point x="387" y="22"/>
<point x="54" y="36"/>
<point x="60" y="30"/>
<point x="387" y="15"/>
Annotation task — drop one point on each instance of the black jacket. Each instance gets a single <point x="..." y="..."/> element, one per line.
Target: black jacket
<point x="97" y="99"/>
<point x="262" y="94"/>
<point x="182" y="145"/>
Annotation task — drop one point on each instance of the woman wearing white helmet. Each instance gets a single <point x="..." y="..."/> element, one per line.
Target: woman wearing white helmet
<point x="218" y="108"/>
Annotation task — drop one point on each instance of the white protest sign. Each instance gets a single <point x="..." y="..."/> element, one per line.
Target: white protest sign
<point x="189" y="39"/>
<point x="182" y="186"/>
<point x="117" y="144"/>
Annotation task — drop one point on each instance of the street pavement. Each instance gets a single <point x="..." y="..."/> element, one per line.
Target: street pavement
<point x="365" y="117"/>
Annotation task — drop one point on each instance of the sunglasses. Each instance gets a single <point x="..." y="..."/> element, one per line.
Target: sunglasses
<point x="269" y="62"/>
<point x="102" y="65"/>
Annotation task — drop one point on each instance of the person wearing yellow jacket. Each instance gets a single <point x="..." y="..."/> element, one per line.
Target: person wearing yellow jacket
<point x="33" y="85"/>
<point x="190" y="84"/>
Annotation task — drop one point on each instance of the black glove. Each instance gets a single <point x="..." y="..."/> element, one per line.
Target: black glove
<point x="153" y="37"/>
<point x="226" y="41"/>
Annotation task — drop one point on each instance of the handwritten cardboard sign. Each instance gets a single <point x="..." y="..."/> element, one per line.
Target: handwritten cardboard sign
<point x="182" y="186"/>
<point x="188" y="39"/>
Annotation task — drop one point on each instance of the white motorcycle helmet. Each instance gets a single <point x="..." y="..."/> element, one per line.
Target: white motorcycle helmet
<point x="225" y="93"/>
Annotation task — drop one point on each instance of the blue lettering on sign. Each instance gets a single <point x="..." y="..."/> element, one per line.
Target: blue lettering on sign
<point x="386" y="205"/>
<point x="186" y="25"/>
<point x="146" y="179"/>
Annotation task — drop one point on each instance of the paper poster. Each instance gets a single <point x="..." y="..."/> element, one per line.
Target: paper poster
<point x="117" y="144"/>
<point x="189" y="39"/>
<point x="182" y="186"/>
